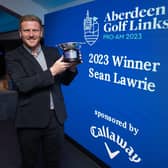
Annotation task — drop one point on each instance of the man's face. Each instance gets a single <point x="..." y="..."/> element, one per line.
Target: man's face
<point x="31" y="34"/>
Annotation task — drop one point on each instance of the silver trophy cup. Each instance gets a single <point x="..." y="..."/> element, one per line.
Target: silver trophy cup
<point x="71" y="51"/>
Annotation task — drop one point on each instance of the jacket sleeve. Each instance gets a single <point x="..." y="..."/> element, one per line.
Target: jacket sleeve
<point x="68" y="76"/>
<point x="23" y="81"/>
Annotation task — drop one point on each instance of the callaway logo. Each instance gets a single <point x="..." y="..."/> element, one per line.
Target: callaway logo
<point x="110" y="153"/>
<point x="106" y="133"/>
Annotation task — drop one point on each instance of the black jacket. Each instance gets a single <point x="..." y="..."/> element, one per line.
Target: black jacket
<point x="34" y="85"/>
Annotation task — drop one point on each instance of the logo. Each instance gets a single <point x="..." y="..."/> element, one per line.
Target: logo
<point x="108" y="135"/>
<point x="110" y="153"/>
<point x="91" y="29"/>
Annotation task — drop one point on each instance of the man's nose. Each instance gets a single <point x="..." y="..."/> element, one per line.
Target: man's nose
<point x="31" y="33"/>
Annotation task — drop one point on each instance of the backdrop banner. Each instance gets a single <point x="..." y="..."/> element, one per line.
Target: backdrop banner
<point x="117" y="106"/>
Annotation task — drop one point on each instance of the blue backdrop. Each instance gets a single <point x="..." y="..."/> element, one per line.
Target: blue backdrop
<point x="117" y="105"/>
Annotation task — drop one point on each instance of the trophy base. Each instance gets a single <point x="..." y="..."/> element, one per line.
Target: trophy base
<point x="73" y="60"/>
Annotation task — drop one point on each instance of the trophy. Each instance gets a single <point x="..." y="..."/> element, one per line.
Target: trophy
<point x="71" y="51"/>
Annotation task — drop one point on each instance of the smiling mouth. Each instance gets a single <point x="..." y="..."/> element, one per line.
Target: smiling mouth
<point x="31" y="40"/>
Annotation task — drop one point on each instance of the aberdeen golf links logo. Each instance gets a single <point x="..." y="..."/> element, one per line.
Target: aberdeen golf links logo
<point x="124" y="25"/>
<point x="91" y="29"/>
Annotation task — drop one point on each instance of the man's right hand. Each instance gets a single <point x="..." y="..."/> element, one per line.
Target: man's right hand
<point x="59" y="66"/>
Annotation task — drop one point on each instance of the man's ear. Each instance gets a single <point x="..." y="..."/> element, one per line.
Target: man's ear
<point x="19" y="32"/>
<point x="42" y="31"/>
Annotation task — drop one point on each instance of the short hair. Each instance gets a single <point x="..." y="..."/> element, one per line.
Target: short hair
<point x="29" y="18"/>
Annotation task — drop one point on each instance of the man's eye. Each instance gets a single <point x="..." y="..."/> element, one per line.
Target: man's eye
<point x="26" y="30"/>
<point x="35" y="30"/>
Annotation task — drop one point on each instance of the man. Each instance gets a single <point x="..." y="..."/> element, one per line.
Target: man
<point x="37" y="73"/>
